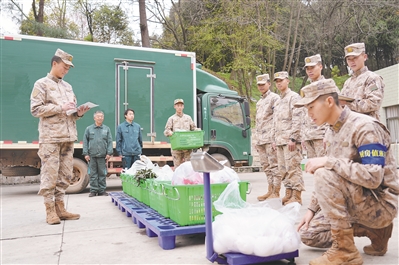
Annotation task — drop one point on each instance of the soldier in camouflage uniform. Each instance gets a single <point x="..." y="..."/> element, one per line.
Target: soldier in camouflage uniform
<point x="364" y="86"/>
<point x="264" y="130"/>
<point x="286" y="134"/>
<point x="356" y="183"/>
<point x="179" y="122"/>
<point x="311" y="134"/>
<point x="50" y="100"/>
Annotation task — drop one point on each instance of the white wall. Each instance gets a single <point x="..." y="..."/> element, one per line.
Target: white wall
<point x="391" y="96"/>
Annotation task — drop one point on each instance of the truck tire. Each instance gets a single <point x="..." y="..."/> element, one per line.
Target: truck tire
<point x="220" y="157"/>
<point x="20" y="171"/>
<point x="80" y="178"/>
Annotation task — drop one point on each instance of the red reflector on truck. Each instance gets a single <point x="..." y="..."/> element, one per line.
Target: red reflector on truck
<point x="10" y="38"/>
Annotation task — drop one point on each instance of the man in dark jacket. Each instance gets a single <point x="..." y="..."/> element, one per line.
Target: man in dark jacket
<point x="129" y="142"/>
<point x="97" y="148"/>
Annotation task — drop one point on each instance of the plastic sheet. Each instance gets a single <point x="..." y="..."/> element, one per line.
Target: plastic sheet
<point x="263" y="229"/>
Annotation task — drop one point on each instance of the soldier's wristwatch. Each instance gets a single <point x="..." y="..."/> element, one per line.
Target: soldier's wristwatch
<point x="293" y="140"/>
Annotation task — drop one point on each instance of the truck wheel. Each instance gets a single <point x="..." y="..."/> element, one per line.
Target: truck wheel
<point x="20" y="171"/>
<point x="80" y="178"/>
<point x="220" y="157"/>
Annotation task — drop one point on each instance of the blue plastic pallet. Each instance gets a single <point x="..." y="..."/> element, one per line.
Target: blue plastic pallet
<point x="155" y="224"/>
<point x="241" y="259"/>
<point x="167" y="230"/>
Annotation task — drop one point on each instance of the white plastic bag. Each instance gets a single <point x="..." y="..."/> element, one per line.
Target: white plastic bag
<point x="263" y="229"/>
<point x="163" y="173"/>
<point x="143" y="163"/>
<point x="185" y="175"/>
<point x="226" y="175"/>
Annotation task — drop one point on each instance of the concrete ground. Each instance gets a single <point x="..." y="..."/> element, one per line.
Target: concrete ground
<point x="104" y="235"/>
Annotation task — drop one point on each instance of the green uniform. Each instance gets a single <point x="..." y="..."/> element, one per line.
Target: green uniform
<point x="97" y="143"/>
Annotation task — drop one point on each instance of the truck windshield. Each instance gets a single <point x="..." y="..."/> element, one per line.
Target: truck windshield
<point x="227" y="110"/>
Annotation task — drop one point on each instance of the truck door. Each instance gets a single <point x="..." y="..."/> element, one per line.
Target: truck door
<point x="135" y="86"/>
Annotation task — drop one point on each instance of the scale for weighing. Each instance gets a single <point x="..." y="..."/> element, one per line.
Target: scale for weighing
<point x="205" y="163"/>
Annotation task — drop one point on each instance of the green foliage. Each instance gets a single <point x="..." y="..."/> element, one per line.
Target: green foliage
<point x="111" y="25"/>
<point x="143" y="174"/>
<point x="55" y="23"/>
<point x="335" y="71"/>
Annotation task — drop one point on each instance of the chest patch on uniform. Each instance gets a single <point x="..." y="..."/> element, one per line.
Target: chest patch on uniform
<point x="52" y="88"/>
<point x="373" y="154"/>
<point x="35" y="92"/>
<point x="373" y="88"/>
<point x="345" y="144"/>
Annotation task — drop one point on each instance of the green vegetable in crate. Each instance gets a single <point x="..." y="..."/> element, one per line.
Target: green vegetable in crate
<point x="144" y="174"/>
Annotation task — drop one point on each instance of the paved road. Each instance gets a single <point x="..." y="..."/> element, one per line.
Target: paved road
<point x="104" y="235"/>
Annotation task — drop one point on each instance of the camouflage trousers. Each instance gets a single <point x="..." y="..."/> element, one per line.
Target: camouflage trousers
<point x="342" y="204"/>
<point x="180" y="156"/>
<point x="268" y="160"/>
<point x="56" y="170"/>
<point x="314" y="148"/>
<point x="289" y="165"/>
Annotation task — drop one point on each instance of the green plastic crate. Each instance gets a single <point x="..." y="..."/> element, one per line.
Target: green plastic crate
<point x="186" y="202"/>
<point x="187" y="140"/>
<point x="126" y="183"/>
<point x="158" y="201"/>
<point x="141" y="192"/>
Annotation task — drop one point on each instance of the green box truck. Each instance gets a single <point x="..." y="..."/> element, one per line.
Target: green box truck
<point x="118" y="77"/>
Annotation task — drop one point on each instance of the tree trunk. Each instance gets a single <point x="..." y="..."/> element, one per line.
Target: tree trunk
<point x="287" y="43"/>
<point x="145" y="38"/>
<point x="294" y="40"/>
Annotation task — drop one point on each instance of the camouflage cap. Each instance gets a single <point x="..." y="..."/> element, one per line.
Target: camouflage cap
<point x="316" y="89"/>
<point x="355" y="49"/>
<point x="312" y="60"/>
<point x="66" y="57"/>
<point x="262" y="79"/>
<point x="178" y="100"/>
<point x="281" y="75"/>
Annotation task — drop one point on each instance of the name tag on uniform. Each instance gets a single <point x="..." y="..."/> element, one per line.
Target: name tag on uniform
<point x="373" y="154"/>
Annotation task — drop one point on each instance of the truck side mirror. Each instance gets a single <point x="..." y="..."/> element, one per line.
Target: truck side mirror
<point x="246" y="109"/>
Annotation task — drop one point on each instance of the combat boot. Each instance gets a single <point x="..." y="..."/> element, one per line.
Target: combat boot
<point x="63" y="214"/>
<point x="296" y="197"/>
<point x="288" y="194"/>
<point x="379" y="238"/>
<point x="342" y="252"/>
<point x="51" y="216"/>
<point x="276" y="192"/>
<point x="269" y="192"/>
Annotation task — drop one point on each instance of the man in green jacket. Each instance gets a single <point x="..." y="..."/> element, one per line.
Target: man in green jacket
<point x="97" y="148"/>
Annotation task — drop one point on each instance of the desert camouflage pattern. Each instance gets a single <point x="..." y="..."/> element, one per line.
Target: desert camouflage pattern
<point x="48" y="95"/>
<point x="311" y="133"/>
<point x="268" y="160"/>
<point x="314" y="148"/>
<point x="367" y="88"/>
<point x="287" y="118"/>
<point x="264" y="118"/>
<point x="180" y="123"/>
<point x="309" y="129"/>
<point x="347" y="191"/>
<point x="180" y="156"/>
<point x="56" y="170"/>
<point x="289" y="166"/>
